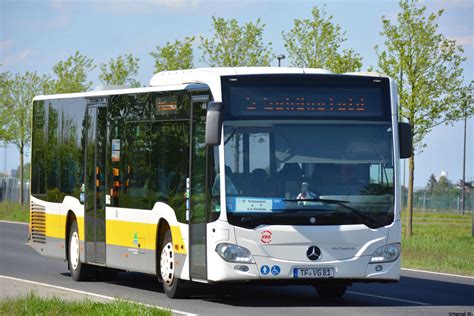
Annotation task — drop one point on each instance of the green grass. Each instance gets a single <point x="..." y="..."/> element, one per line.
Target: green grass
<point x="441" y="242"/>
<point x="32" y="304"/>
<point x="12" y="211"/>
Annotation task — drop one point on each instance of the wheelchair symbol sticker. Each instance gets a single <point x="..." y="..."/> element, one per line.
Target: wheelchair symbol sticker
<point x="275" y="270"/>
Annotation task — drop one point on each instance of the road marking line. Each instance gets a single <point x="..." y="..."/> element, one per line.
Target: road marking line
<point x="11" y="222"/>
<point x="390" y="298"/>
<point x="174" y="311"/>
<point x="439" y="273"/>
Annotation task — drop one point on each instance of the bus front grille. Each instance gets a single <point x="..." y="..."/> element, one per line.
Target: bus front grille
<point x="38" y="223"/>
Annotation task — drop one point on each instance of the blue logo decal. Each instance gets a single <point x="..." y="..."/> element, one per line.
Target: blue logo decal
<point x="264" y="270"/>
<point x="276" y="270"/>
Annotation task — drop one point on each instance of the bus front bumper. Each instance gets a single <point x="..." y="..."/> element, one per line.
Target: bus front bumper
<point x="270" y="269"/>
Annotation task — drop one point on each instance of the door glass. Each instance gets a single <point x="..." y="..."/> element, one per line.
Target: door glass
<point x="95" y="189"/>
<point x="90" y="189"/>
<point x="198" y="212"/>
<point x="101" y="148"/>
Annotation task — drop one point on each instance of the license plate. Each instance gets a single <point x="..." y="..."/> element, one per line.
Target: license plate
<point x="313" y="273"/>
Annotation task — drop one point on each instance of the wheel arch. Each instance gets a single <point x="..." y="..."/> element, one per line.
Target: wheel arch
<point x="163" y="227"/>
<point x="70" y="218"/>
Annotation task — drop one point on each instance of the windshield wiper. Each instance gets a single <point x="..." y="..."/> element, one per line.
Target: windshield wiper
<point x="340" y="203"/>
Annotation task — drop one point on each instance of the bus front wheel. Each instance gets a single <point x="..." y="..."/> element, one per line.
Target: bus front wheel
<point x="79" y="271"/>
<point x="173" y="287"/>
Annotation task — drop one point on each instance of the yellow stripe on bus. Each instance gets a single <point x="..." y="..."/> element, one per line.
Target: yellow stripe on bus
<point x="128" y="234"/>
<point x="56" y="226"/>
<point x="118" y="233"/>
<point x="178" y="242"/>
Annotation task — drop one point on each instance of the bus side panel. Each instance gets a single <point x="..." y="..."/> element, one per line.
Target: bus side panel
<point x="48" y="226"/>
<point x="131" y="238"/>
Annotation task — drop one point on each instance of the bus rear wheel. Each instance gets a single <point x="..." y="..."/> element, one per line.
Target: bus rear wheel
<point x="79" y="271"/>
<point x="329" y="291"/>
<point x="173" y="287"/>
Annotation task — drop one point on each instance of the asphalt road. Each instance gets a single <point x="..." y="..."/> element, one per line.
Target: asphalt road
<point x="417" y="292"/>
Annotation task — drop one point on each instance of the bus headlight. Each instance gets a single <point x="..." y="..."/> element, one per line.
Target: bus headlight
<point x="387" y="253"/>
<point x="234" y="253"/>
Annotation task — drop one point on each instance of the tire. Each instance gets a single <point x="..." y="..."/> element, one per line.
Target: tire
<point x="79" y="271"/>
<point x="173" y="287"/>
<point x="331" y="291"/>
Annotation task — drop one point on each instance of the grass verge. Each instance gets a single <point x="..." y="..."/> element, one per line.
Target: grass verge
<point x="32" y="304"/>
<point x="441" y="242"/>
<point x="12" y="211"/>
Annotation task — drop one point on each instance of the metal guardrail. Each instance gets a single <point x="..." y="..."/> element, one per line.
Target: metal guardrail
<point x="10" y="190"/>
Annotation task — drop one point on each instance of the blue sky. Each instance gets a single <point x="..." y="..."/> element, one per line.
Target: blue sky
<point x="35" y="35"/>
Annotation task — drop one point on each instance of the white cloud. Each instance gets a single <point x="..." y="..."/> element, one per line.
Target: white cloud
<point x="6" y="44"/>
<point x="14" y="58"/>
<point x="464" y="40"/>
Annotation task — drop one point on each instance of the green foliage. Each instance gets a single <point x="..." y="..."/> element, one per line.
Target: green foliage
<point x="13" y="211"/>
<point x="174" y="56"/>
<point x="72" y="74"/>
<point x="432" y="182"/>
<point x="5" y="78"/>
<point x="120" y="71"/>
<point x="428" y="69"/>
<point x="439" y="240"/>
<point x="232" y="45"/>
<point x="316" y="43"/>
<point x="32" y="304"/>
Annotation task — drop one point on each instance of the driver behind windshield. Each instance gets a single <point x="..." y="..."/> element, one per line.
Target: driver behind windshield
<point x="306" y="194"/>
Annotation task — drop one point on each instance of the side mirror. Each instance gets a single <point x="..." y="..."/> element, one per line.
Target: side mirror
<point x="213" y="123"/>
<point x="405" y="138"/>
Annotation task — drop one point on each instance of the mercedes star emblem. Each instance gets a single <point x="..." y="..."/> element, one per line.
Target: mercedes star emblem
<point x="313" y="253"/>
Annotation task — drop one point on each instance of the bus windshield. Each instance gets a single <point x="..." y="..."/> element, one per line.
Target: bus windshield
<point x="334" y="172"/>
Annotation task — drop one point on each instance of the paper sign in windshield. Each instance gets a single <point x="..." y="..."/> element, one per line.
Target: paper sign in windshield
<point x="254" y="204"/>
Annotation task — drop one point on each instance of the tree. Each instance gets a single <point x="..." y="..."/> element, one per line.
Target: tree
<point x="443" y="185"/>
<point x="5" y="78"/>
<point x="16" y="115"/>
<point x="432" y="182"/>
<point x="174" y="56"/>
<point x="72" y="74"/>
<point x="232" y="45"/>
<point x="427" y="68"/>
<point x="120" y="71"/>
<point x="316" y="43"/>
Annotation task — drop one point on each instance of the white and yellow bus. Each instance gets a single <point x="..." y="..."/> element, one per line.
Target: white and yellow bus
<point x="130" y="179"/>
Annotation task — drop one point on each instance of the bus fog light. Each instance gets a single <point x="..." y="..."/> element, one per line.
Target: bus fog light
<point x="387" y="253"/>
<point x="234" y="253"/>
<point x="242" y="268"/>
<point x="378" y="268"/>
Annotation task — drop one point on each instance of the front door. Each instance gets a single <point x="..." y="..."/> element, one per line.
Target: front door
<point x="95" y="181"/>
<point x="198" y="190"/>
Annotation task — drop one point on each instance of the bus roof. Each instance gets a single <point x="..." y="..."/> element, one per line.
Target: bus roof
<point x="122" y="91"/>
<point x="212" y="76"/>
<point x="198" y="79"/>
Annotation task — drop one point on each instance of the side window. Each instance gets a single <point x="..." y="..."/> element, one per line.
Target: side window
<point x="39" y="150"/>
<point x="53" y="157"/>
<point x="170" y="164"/>
<point x="149" y="150"/>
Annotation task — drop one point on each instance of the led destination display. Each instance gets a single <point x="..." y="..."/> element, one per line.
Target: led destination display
<point x="306" y="96"/>
<point x="270" y="101"/>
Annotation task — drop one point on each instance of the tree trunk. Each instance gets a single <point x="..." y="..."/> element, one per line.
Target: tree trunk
<point x="411" y="173"/>
<point x="21" y="199"/>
